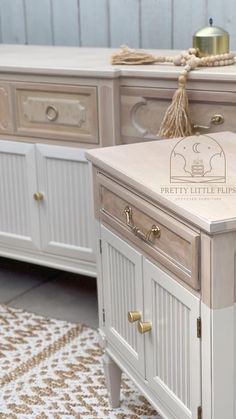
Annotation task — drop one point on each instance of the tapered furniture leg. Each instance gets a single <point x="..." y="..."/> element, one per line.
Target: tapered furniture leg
<point x="113" y="380"/>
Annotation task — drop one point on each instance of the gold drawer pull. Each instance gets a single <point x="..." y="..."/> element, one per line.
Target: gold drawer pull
<point x="52" y="113"/>
<point x="154" y="230"/>
<point x="144" y="327"/>
<point x="216" y="119"/>
<point x="134" y="316"/>
<point x="38" y="196"/>
<point x="129" y="214"/>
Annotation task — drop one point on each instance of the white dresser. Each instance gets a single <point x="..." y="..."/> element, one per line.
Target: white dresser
<point x="166" y="249"/>
<point x="57" y="102"/>
<point x="54" y="104"/>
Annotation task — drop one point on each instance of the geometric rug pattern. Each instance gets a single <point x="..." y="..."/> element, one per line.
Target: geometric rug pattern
<point x="52" y="369"/>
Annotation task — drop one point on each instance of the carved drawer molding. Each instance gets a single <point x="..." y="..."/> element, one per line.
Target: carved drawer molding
<point x="155" y="233"/>
<point x="6" y="123"/>
<point x="143" y="109"/>
<point x="60" y="112"/>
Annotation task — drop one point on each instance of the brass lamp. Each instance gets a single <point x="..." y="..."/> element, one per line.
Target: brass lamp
<point x="211" y="40"/>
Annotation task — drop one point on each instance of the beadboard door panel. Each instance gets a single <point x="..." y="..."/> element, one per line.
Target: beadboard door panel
<point x="66" y="210"/>
<point x="173" y="350"/>
<point x="12" y="22"/>
<point x="65" y="25"/>
<point x="19" y="220"/>
<point x="123" y="289"/>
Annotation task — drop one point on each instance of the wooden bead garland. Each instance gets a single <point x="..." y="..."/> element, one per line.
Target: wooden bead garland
<point x="176" y="122"/>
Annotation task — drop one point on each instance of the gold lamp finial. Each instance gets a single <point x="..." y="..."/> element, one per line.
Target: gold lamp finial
<point x="211" y="40"/>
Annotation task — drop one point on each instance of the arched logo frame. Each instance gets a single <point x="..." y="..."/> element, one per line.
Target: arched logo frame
<point x="197" y="166"/>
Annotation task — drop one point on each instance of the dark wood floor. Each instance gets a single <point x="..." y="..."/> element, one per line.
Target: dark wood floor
<point x="49" y="292"/>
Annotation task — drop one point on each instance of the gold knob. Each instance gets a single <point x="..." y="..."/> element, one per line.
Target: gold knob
<point x="217" y="119"/>
<point x="134" y="316"/>
<point x="144" y="327"/>
<point x="38" y="196"/>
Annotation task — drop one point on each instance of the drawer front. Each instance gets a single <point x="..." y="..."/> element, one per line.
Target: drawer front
<point x="6" y="124"/>
<point x="156" y="233"/>
<point x="143" y="109"/>
<point x="60" y="112"/>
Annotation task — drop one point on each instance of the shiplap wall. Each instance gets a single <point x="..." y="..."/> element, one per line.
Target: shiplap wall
<point x="138" y="23"/>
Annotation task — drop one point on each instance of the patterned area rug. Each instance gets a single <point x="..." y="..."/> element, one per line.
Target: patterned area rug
<point x="50" y="369"/>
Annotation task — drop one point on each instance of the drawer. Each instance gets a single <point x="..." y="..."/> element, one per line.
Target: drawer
<point x="157" y="234"/>
<point x="143" y="109"/>
<point x="59" y="112"/>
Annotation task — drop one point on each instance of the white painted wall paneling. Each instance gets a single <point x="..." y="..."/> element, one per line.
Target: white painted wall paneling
<point x="125" y="22"/>
<point x="12" y="22"/>
<point x="65" y="22"/>
<point x="38" y="15"/>
<point x="94" y="21"/>
<point x="188" y="17"/>
<point x="105" y="23"/>
<point x="156" y="24"/>
<point x="224" y="14"/>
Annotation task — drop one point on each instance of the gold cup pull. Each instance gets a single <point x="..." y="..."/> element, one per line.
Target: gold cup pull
<point x="134" y="316"/>
<point x="144" y="327"/>
<point x="38" y="196"/>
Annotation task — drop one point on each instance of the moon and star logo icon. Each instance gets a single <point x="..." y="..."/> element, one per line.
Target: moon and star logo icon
<point x="195" y="148"/>
<point x="197" y="159"/>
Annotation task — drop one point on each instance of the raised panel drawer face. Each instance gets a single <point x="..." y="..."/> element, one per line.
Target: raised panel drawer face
<point x="60" y="112"/>
<point x="176" y="247"/>
<point x="143" y="109"/>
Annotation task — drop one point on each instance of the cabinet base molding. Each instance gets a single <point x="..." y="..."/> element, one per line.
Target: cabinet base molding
<point x="65" y="264"/>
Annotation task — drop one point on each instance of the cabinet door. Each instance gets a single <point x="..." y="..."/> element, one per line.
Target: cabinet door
<point x="123" y="292"/>
<point x="172" y="348"/>
<point x="19" y="218"/>
<point x="66" y="210"/>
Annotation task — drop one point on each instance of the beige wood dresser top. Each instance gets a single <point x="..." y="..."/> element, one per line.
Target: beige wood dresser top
<point x="209" y="204"/>
<point x="94" y="62"/>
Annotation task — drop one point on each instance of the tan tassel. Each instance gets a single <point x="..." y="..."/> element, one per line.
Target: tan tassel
<point x="176" y="122"/>
<point x="130" y="56"/>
